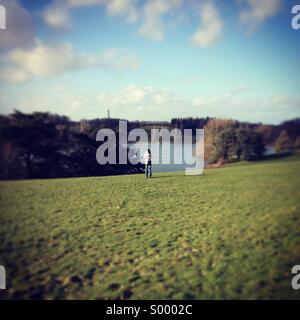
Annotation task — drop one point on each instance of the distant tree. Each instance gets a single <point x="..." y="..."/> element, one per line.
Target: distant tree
<point x="239" y="144"/>
<point x="226" y="144"/>
<point x="297" y="143"/>
<point x="292" y="127"/>
<point x="33" y="139"/>
<point x="84" y="126"/>
<point x="212" y="131"/>
<point x="269" y="133"/>
<point x="78" y="159"/>
<point x="283" y="142"/>
<point x="9" y="160"/>
<point x="189" y="123"/>
<point x="250" y="144"/>
<point x="42" y="145"/>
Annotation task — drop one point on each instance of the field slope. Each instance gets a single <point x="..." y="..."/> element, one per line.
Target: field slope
<point x="230" y="233"/>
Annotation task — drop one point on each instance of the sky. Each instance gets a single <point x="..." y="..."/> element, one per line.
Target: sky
<point x="151" y="59"/>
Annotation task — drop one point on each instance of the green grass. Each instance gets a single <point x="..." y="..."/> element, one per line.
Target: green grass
<point x="232" y="233"/>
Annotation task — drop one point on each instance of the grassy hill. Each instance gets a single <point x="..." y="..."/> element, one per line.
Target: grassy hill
<point x="230" y="233"/>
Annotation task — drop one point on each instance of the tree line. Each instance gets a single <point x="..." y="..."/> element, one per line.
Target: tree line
<point x="230" y="140"/>
<point x="45" y="145"/>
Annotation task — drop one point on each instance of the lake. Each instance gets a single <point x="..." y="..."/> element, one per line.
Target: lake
<point x="167" y="157"/>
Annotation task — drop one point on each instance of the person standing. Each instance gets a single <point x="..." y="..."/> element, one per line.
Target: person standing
<point x="148" y="164"/>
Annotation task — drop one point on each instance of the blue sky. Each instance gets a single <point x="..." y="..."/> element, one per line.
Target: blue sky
<point x="152" y="59"/>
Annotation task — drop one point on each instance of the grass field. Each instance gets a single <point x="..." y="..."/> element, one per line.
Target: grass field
<point x="231" y="233"/>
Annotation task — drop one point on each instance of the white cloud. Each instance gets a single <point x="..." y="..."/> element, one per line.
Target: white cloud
<point x="56" y="99"/>
<point x="20" y="65"/>
<point x="83" y="3"/>
<point x="20" y="29"/>
<point x="258" y="11"/>
<point x="211" y="26"/>
<point x="125" y="8"/>
<point x="137" y="102"/>
<point x="153" y="15"/>
<point x="57" y="16"/>
<point x="153" y="11"/>
<point x="237" y="104"/>
<point x="143" y="102"/>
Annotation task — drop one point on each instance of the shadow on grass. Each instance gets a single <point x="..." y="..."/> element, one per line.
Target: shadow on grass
<point x="286" y="156"/>
<point x="275" y="156"/>
<point x="182" y="175"/>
